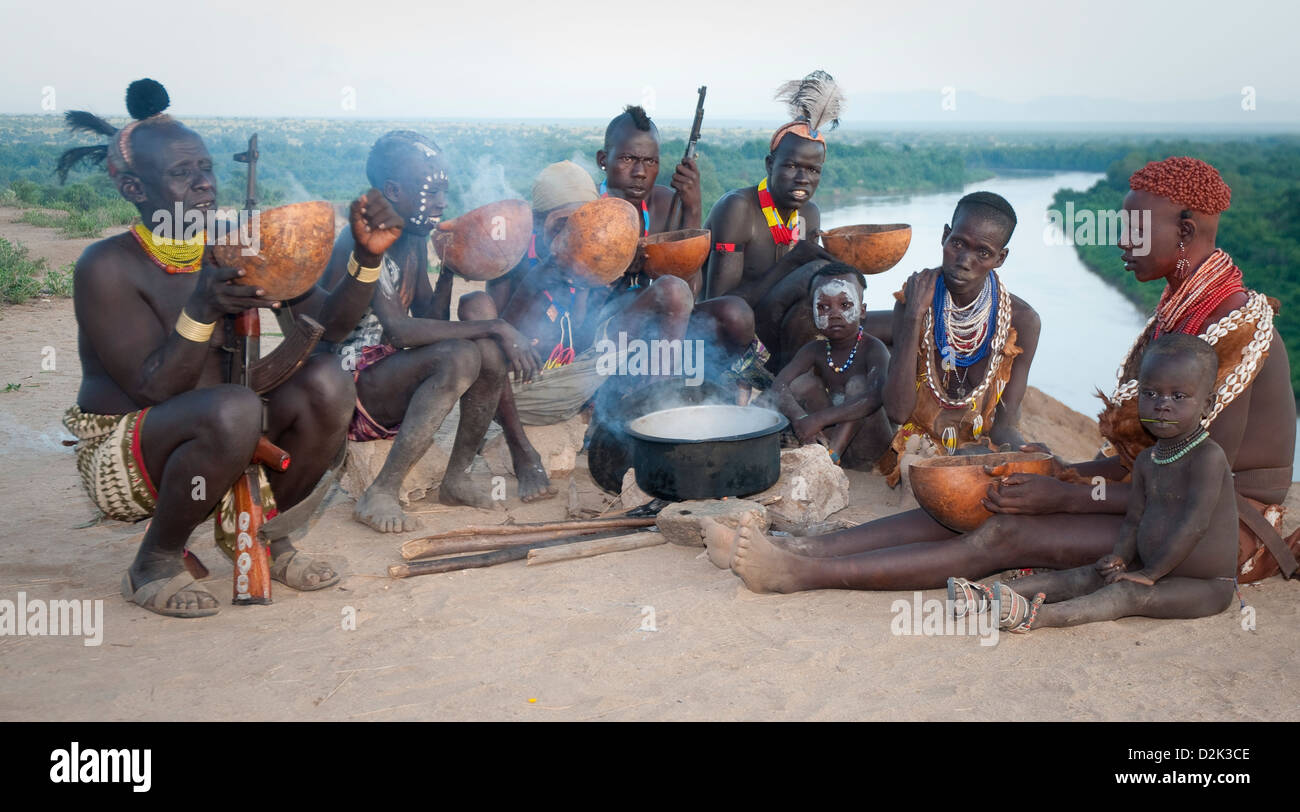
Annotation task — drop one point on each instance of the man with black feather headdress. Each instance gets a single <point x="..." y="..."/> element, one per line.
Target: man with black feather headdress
<point x="158" y="432"/>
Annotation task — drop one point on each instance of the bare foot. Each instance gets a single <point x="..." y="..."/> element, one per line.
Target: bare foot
<point x="765" y="567"/>
<point x="383" y="512"/>
<point x="462" y="490"/>
<point x="534" y="484"/>
<point x="720" y="541"/>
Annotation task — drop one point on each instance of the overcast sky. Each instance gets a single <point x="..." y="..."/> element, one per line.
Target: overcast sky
<point x="576" y="59"/>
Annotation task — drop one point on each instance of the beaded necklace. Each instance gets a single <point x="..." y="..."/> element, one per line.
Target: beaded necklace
<point x="830" y="362"/>
<point x="967" y="330"/>
<point x="173" y="256"/>
<point x="999" y="341"/>
<point x="782" y="233"/>
<point x="1183" y="310"/>
<point x="1178" y="451"/>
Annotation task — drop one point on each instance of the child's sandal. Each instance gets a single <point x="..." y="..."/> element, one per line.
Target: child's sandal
<point x="962" y="596"/>
<point x="1016" y="612"/>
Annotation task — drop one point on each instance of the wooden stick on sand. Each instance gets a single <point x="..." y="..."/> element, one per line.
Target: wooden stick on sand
<point x="416" y="548"/>
<point x="586" y="549"/>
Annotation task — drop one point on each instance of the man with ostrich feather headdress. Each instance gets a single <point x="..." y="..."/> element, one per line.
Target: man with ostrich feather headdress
<point x="764" y="236"/>
<point x="158" y="432"/>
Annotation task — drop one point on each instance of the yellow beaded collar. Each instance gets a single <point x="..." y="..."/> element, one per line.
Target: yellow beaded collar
<point x="173" y="256"/>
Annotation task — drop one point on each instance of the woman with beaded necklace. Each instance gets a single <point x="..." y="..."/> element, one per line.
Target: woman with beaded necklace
<point x="1074" y="518"/>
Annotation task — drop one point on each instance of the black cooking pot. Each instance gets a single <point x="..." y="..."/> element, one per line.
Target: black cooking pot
<point x="609" y="451"/>
<point x="706" y="451"/>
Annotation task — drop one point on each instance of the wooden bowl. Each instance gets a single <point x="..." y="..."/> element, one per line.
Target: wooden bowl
<point x="487" y="242"/>
<point x="950" y="488"/>
<point x="869" y="248"/>
<point x="676" y="253"/>
<point x="599" y="241"/>
<point x="293" y="245"/>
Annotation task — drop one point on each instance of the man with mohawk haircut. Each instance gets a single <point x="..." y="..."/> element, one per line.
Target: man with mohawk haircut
<point x="630" y="161"/>
<point x="764" y="236"/>
<point x="158" y="432"/>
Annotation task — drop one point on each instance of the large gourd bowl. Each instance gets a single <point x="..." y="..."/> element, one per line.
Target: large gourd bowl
<point x="870" y="248"/>
<point x="950" y="488"/>
<point x="485" y="243"/>
<point x="290" y="252"/>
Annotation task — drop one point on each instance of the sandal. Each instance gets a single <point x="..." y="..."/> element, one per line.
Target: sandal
<point x="1016" y="612"/>
<point x="962" y="598"/>
<point x="291" y="569"/>
<point x="155" y="594"/>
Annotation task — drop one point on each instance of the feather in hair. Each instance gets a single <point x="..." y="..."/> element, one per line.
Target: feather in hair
<point x="80" y="120"/>
<point x="74" y="156"/>
<point x="816" y="99"/>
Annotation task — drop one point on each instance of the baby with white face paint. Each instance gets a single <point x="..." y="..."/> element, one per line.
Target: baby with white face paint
<point x="833" y="389"/>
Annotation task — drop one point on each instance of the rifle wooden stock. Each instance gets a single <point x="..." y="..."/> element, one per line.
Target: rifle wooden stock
<point x="252" y="558"/>
<point x="271" y="455"/>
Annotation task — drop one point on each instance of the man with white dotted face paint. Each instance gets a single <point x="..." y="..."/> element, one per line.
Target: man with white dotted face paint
<point x="412" y="363"/>
<point x="833" y="388"/>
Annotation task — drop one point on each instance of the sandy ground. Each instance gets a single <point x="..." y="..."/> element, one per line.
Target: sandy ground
<point x="561" y="641"/>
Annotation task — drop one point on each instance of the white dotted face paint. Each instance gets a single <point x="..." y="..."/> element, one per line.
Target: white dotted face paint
<point x="421" y="218"/>
<point x="833" y="293"/>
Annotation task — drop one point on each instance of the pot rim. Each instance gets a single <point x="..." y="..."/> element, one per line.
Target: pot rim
<point x="780" y="425"/>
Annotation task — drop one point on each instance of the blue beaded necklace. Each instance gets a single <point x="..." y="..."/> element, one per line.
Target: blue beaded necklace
<point x="940" y="332"/>
<point x="830" y="362"/>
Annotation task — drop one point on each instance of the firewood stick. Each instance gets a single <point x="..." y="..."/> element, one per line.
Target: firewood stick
<point x="575" y="526"/>
<point x="465" y="562"/>
<point x="586" y="549"/>
<point x="478" y="544"/>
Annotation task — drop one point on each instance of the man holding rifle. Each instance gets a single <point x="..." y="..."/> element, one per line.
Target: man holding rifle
<point x="630" y="160"/>
<point x="159" y="433"/>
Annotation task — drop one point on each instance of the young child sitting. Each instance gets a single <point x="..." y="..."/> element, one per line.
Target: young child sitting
<point x="1177" y="550"/>
<point x="833" y="388"/>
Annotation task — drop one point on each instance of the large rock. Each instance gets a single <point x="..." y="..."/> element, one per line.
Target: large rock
<point x="811" y="488"/>
<point x="557" y="445"/>
<point x="680" y="523"/>
<point x="365" y="460"/>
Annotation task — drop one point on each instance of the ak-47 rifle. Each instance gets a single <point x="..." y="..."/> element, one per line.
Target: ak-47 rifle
<point x="674" y="208"/>
<point x="252" y="576"/>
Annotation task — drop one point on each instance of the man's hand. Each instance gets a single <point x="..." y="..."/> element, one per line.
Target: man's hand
<point x="375" y="227"/>
<point x="1024" y="493"/>
<point x="1109" y="565"/>
<point x="1139" y="577"/>
<point x="805" y="251"/>
<point x="918" y="290"/>
<point x="217" y="293"/>
<point x="686" y="182"/>
<point x="808" y="429"/>
<point x="520" y="352"/>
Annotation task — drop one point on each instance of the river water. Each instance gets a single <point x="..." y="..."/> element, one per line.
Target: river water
<point x="1087" y="325"/>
